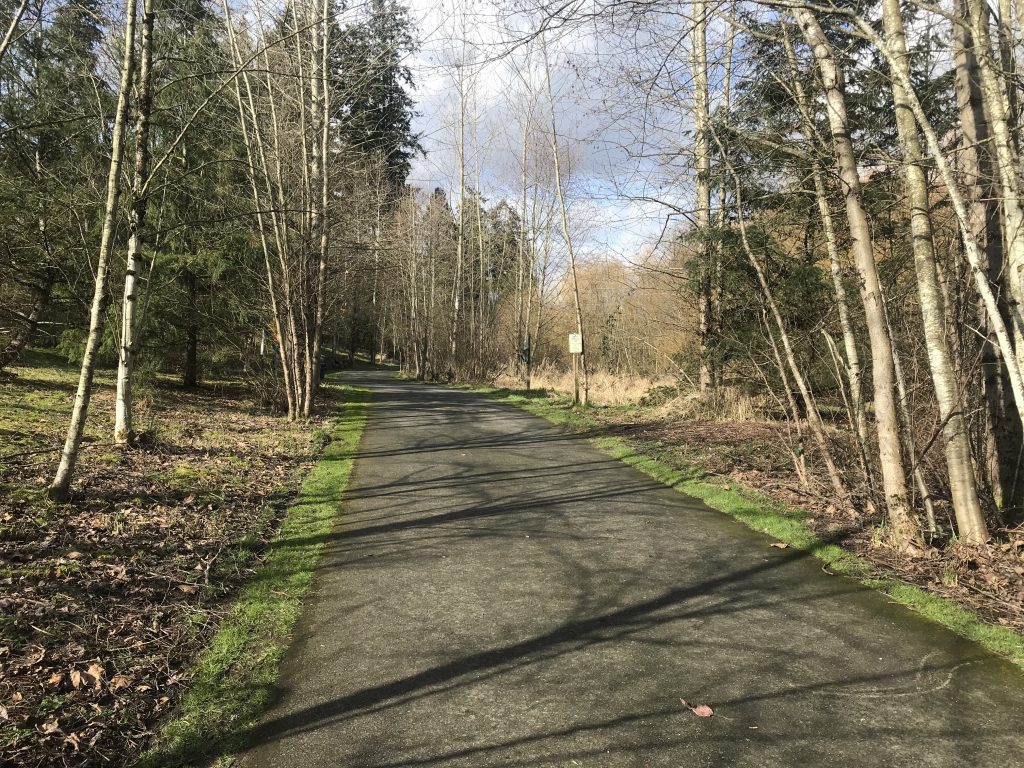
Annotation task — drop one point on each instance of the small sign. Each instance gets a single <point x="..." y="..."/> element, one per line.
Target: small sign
<point x="575" y="343"/>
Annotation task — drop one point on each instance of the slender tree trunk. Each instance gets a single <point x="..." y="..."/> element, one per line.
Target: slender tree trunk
<point x="564" y="210"/>
<point x="813" y="416"/>
<point x="959" y="462"/>
<point x="905" y="531"/>
<point x="909" y="443"/>
<point x="716" y="275"/>
<point x="12" y="28"/>
<point x="61" y="484"/>
<point x="702" y="160"/>
<point x="41" y="292"/>
<point x="460" y="242"/>
<point x="1002" y="435"/>
<point x="523" y="284"/>
<point x="322" y="102"/>
<point x="852" y="364"/>
<point x="138" y="263"/>
<point x="254" y="149"/>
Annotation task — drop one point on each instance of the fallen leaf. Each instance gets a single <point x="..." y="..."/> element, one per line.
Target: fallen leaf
<point x="76" y="678"/>
<point x="51" y="727"/>
<point x="3" y="712"/>
<point x="780" y="545"/>
<point x="117" y="682"/>
<point x="73" y="739"/>
<point x="56" y="678"/>
<point x="73" y="555"/>
<point x="95" y="671"/>
<point x="701" y="710"/>
<point x="188" y="589"/>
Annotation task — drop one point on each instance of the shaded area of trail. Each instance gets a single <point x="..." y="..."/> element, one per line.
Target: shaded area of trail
<point x="501" y="593"/>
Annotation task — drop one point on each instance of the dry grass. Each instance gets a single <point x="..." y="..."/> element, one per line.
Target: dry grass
<point x="665" y="395"/>
<point x="605" y="388"/>
<point x="722" y="404"/>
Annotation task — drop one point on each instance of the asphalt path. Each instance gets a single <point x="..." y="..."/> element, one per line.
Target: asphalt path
<point x="500" y="593"/>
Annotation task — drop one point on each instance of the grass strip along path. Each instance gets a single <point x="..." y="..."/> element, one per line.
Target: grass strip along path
<point x="767" y="516"/>
<point x="234" y="680"/>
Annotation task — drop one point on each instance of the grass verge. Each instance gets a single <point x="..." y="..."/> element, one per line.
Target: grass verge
<point x="234" y="679"/>
<point x="762" y="514"/>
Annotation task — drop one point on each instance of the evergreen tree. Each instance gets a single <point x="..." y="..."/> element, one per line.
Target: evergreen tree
<point x="374" y="107"/>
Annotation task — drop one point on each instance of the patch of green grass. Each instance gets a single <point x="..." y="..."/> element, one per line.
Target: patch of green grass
<point x="233" y="680"/>
<point x="783" y="523"/>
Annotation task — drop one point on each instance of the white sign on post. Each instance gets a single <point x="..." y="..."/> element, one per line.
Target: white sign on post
<point x="575" y="344"/>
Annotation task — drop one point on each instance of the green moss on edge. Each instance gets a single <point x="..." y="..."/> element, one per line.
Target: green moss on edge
<point x="233" y="680"/>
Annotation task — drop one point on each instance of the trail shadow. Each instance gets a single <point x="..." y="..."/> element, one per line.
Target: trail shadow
<point x="715" y="612"/>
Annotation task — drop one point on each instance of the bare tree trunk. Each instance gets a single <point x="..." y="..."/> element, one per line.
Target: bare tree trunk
<point x="138" y="263"/>
<point x="716" y="273"/>
<point x="905" y="531"/>
<point x="322" y="101"/>
<point x="795" y="412"/>
<point x="813" y="416"/>
<point x="1002" y="435"/>
<point x="61" y="484"/>
<point x="966" y="506"/>
<point x="909" y="443"/>
<point x="12" y="28"/>
<point x="563" y="207"/>
<point x="702" y="161"/>
<point x="522" y="283"/>
<point x="254" y="148"/>
<point x="852" y="364"/>
<point x="41" y="291"/>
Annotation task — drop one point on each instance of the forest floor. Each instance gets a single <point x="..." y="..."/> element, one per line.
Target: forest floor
<point x="106" y="601"/>
<point x="754" y="459"/>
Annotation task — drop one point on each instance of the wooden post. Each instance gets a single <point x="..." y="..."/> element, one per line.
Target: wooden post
<point x="575" y="379"/>
<point x="576" y="350"/>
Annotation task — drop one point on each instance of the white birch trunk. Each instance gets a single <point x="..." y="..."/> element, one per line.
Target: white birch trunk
<point x="137" y="262"/>
<point x="702" y="163"/>
<point x="61" y="484"/>
<point x="905" y="531"/>
<point x="960" y="466"/>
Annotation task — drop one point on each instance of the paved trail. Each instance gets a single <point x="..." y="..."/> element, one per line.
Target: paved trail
<point x="500" y="593"/>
